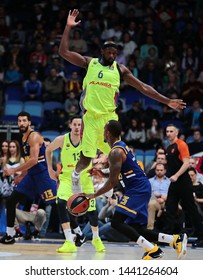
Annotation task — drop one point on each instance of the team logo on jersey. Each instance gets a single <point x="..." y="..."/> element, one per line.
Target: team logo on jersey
<point x="172" y="151"/>
<point x="68" y="145"/>
<point x="95" y="62"/>
<point x="100" y="84"/>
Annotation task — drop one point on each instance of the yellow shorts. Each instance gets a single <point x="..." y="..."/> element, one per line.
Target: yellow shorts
<point x="65" y="188"/>
<point x="93" y="133"/>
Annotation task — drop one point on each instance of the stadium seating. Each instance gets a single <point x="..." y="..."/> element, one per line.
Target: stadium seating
<point x="11" y="110"/>
<point x="35" y="108"/>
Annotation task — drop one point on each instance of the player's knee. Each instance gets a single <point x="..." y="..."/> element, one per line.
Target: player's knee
<point x="62" y="211"/>
<point x="93" y="218"/>
<point x="115" y="224"/>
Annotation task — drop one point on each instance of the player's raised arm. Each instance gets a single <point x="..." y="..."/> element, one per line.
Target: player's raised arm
<point x="64" y="51"/>
<point x="176" y="104"/>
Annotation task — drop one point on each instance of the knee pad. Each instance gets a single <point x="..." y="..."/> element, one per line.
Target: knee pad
<point x="93" y="218"/>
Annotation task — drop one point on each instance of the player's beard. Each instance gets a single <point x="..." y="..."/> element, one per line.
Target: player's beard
<point x="23" y="129"/>
<point x="107" y="62"/>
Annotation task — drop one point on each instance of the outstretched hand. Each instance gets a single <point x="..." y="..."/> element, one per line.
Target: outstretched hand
<point x="177" y="104"/>
<point x="95" y="172"/>
<point x="72" y="17"/>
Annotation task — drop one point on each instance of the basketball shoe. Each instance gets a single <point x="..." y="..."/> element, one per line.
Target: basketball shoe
<point x="7" y="239"/>
<point x="98" y="244"/>
<point x="67" y="247"/>
<point x="80" y="240"/>
<point x="18" y="235"/>
<point x="180" y="245"/>
<point x="154" y="253"/>
<point x="76" y="186"/>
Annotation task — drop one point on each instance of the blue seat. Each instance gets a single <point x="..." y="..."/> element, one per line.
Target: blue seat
<point x="13" y="93"/>
<point x="52" y="105"/>
<point x="36" y="110"/>
<point x="140" y="155"/>
<point x="51" y="134"/>
<point x="12" y="108"/>
<point x="149" y="156"/>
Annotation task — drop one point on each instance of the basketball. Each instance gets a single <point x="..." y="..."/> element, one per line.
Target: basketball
<point x="78" y="204"/>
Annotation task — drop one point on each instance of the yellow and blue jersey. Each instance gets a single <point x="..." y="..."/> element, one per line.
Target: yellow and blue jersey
<point x="134" y="203"/>
<point x="42" y="164"/>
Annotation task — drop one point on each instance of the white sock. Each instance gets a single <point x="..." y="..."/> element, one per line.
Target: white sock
<point x="168" y="238"/>
<point x="144" y="243"/>
<point x="76" y="173"/>
<point x="68" y="234"/>
<point x="95" y="234"/>
<point x="77" y="230"/>
<point x="10" y="231"/>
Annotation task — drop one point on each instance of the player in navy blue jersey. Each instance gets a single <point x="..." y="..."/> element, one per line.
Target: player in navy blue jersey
<point x="36" y="182"/>
<point x="131" y="213"/>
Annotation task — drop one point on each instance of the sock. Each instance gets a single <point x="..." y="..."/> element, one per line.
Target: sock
<point x="10" y="231"/>
<point x="168" y="238"/>
<point x="95" y="234"/>
<point x="68" y="234"/>
<point x="76" y="173"/>
<point x="77" y="230"/>
<point x="144" y="243"/>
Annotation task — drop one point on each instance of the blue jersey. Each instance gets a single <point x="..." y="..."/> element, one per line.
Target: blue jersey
<point x="135" y="201"/>
<point x="42" y="164"/>
<point x="37" y="181"/>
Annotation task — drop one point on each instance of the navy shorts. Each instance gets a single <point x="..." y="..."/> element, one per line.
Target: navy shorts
<point x="134" y="204"/>
<point x="38" y="185"/>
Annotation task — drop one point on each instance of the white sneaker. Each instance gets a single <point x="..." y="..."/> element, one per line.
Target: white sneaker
<point x="76" y="186"/>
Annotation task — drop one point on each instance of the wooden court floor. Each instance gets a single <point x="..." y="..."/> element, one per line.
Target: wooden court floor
<point x="45" y="249"/>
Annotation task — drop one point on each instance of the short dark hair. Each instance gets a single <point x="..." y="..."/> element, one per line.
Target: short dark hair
<point x="114" y="127"/>
<point x="25" y="114"/>
<point x="75" y="117"/>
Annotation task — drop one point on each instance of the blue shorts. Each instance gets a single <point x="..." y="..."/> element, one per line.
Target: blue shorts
<point x="38" y="185"/>
<point x="135" y="205"/>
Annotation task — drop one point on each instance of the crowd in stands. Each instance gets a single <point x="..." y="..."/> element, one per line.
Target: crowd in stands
<point x="159" y="41"/>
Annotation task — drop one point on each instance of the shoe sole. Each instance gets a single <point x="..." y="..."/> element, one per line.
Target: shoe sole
<point x="80" y="245"/>
<point x="66" y="252"/>
<point x="153" y="259"/>
<point x="183" y="252"/>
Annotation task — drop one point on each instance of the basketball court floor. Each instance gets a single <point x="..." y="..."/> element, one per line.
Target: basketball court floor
<point x="45" y="249"/>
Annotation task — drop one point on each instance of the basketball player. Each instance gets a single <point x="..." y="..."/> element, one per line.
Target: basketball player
<point x="70" y="146"/>
<point x="131" y="213"/>
<point x="35" y="182"/>
<point x="100" y="94"/>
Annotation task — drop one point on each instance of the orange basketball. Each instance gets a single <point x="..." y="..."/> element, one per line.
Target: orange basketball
<point x="78" y="204"/>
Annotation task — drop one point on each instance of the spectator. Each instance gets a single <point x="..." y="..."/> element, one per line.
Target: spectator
<point x="161" y="158"/>
<point x="71" y="101"/>
<point x="160" y="184"/>
<point x="196" y="146"/>
<point x="158" y="151"/>
<point x="53" y="87"/>
<point x="154" y="134"/>
<point x="32" y="88"/>
<point x="73" y="84"/>
<point x="144" y="48"/>
<point x="77" y="43"/>
<point x="128" y="45"/>
<point x="194" y="118"/>
<point x="197" y="190"/>
<point x="192" y="89"/>
<point x="136" y="135"/>
<point x="193" y="164"/>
